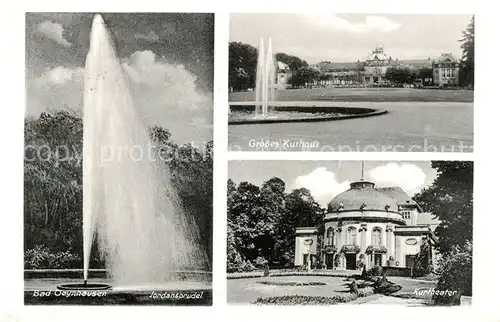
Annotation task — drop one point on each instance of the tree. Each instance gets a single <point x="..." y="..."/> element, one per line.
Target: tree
<point x="450" y="199"/>
<point x="262" y="222"/>
<point x="425" y="73"/>
<point x="301" y="210"/>
<point x="304" y="75"/>
<point x="467" y="62"/>
<point x="242" y="65"/>
<point x="401" y="75"/>
<point x="53" y="186"/>
<point x="455" y="271"/>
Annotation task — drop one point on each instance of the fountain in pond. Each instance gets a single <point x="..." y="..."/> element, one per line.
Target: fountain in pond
<point x="128" y="201"/>
<point x="266" y="84"/>
<point x="265" y="79"/>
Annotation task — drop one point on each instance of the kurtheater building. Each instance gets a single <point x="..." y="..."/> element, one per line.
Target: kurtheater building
<point x="377" y="226"/>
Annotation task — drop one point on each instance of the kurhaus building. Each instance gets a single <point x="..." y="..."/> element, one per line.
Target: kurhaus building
<point x="375" y="226"/>
<point x="373" y="69"/>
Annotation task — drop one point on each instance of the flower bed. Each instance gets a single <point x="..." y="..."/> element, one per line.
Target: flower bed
<point x="306" y="300"/>
<point x="314" y="300"/>
<point x="290" y="272"/>
<point x="291" y="283"/>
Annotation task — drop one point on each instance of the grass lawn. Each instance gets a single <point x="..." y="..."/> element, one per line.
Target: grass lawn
<point x="248" y="290"/>
<point x="364" y="95"/>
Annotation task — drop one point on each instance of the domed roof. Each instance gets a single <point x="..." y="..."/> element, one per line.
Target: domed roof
<point x="378" y="54"/>
<point x="282" y="66"/>
<point x="447" y="58"/>
<point x="362" y="196"/>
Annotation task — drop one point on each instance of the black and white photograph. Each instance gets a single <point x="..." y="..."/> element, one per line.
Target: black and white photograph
<point x="351" y="82"/>
<point x="118" y="186"/>
<point x="356" y="232"/>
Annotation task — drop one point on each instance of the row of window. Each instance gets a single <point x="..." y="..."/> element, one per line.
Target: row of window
<point x="352" y="236"/>
<point x="448" y="72"/>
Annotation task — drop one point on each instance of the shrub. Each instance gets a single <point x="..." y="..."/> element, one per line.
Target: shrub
<point x="353" y="287"/>
<point x="366" y="291"/>
<point x="260" y="263"/>
<point x="383" y="286"/>
<point x="40" y="257"/>
<point x="375" y="271"/>
<point x="455" y="270"/>
<point x="236" y="263"/>
<point x="336" y="261"/>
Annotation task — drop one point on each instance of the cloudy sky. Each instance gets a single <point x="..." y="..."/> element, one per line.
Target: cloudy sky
<point x="326" y="179"/>
<point x="352" y="37"/>
<point x="168" y="56"/>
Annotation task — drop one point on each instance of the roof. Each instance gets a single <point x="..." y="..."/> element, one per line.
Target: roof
<point x="447" y="58"/>
<point x="400" y="196"/>
<point x="378" y="54"/>
<point x="362" y="195"/>
<point x="427" y="219"/>
<point x="306" y="230"/>
<point x="282" y="66"/>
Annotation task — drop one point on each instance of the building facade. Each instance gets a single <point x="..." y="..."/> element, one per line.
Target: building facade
<point x="373" y="69"/>
<point x="372" y="226"/>
<point x="283" y="75"/>
<point x="375" y="66"/>
<point x="445" y="70"/>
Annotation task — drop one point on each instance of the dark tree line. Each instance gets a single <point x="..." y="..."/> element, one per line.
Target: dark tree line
<point x="262" y="222"/>
<point x="467" y="63"/>
<point x="243" y="65"/>
<point x="450" y="198"/>
<point x="53" y="189"/>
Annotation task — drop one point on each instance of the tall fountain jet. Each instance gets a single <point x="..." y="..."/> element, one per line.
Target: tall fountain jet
<point x="129" y="204"/>
<point x="265" y="79"/>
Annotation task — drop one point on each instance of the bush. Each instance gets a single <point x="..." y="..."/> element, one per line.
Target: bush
<point x="236" y="263"/>
<point x="455" y="270"/>
<point x="40" y="257"/>
<point x="383" y="286"/>
<point x="376" y="271"/>
<point x="366" y="291"/>
<point x="261" y="263"/>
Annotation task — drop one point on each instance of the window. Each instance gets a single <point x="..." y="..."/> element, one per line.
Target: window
<point x="377" y="236"/>
<point x="352" y="236"/>
<point x="406" y="214"/>
<point x="329" y="236"/>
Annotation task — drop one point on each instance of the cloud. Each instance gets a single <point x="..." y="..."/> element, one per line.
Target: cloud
<point x="408" y="176"/>
<point x="370" y="24"/>
<point x="165" y="94"/>
<point x="322" y="183"/>
<point x="150" y="37"/>
<point x="55" y="89"/>
<point x="54" y="31"/>
<point x="60" y="75"/>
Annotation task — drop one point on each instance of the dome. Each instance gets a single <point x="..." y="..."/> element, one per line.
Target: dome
<point x="447" y="58"/>
<point x="362" y="196"/>
<point x="282" y="66"/>
<point x="378" y="54"/>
